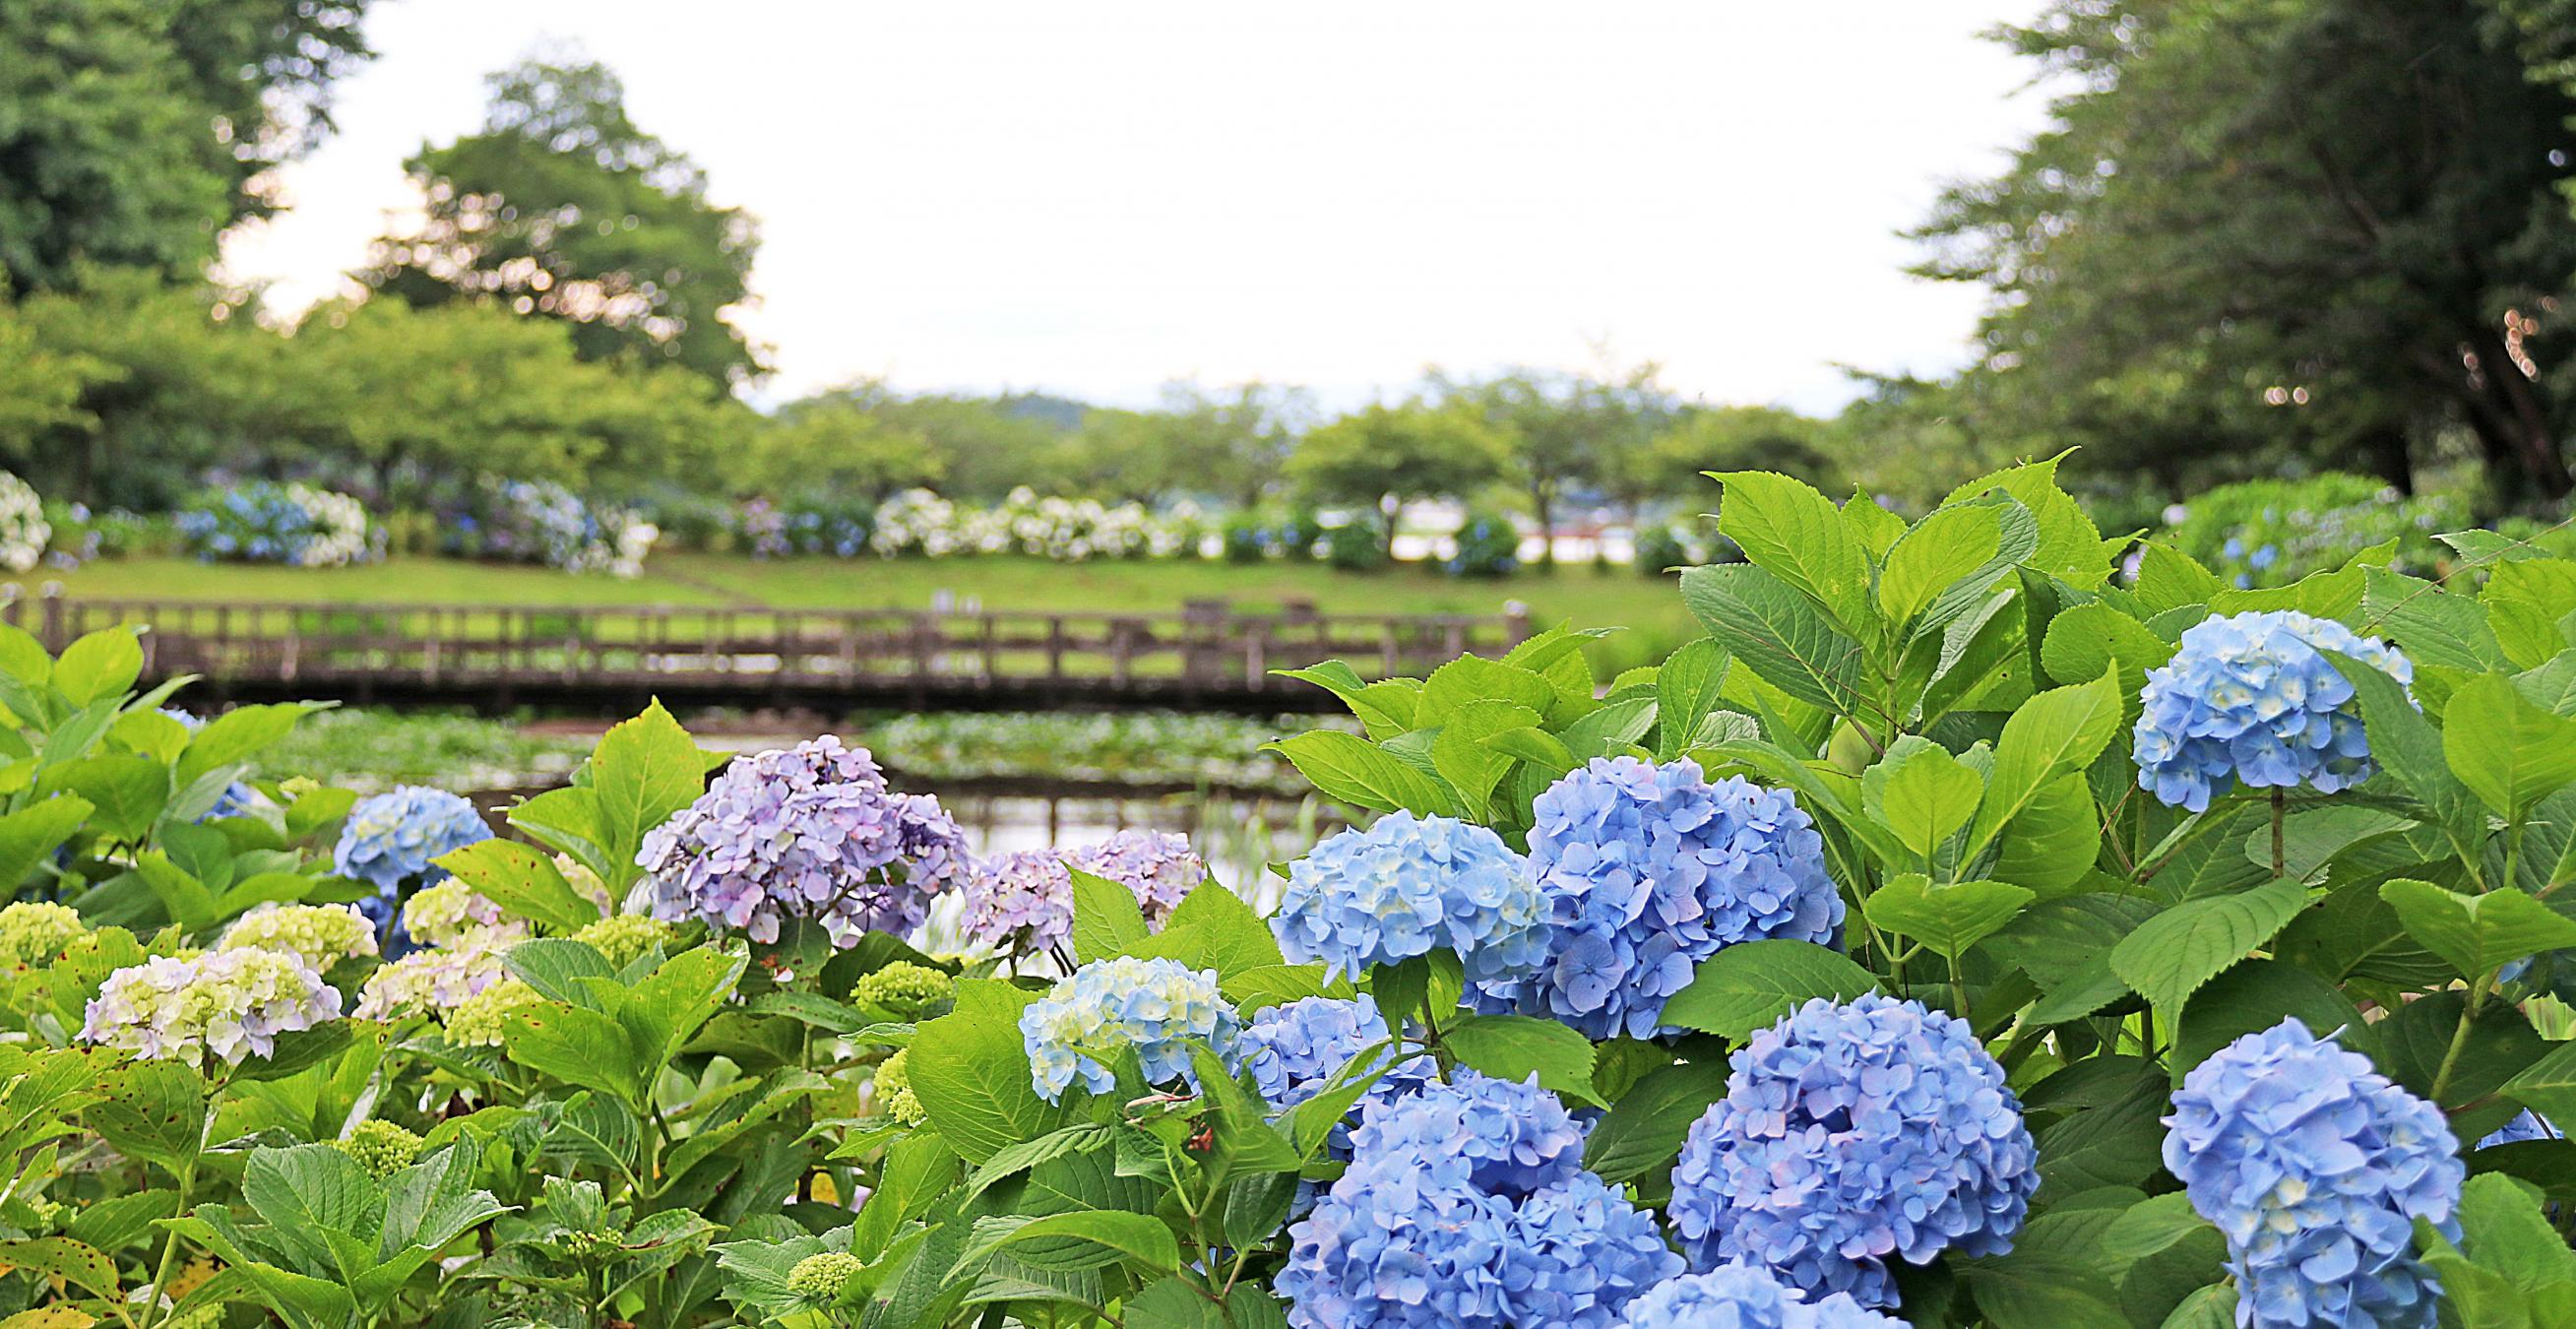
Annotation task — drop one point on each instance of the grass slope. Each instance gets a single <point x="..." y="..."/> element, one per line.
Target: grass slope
<point x="1650" y="608"/>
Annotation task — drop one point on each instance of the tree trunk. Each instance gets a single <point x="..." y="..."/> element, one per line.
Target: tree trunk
<point x="2389" y="458"/>
<point x="1543" y="505"/>
<point x="2533" y="440"/>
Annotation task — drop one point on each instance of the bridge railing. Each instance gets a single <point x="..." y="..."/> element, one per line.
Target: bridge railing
<point x="1205" y="649"/>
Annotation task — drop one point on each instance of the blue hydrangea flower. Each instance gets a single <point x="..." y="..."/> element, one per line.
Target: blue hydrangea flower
<point x="2528" y="1126"/>
<point x="2250" y="700"/>
<point x="1155" y="1008"/>
<point x="1648" y="870"/>
<point x="1465" y="1205"/>
<point x="2315" y="1166"/>
<point x="810" y="832"/>
<point x="1407" y="886"/>
<point x="1743" y="1296"/>
<point x="1851" y="1134"/>
<point x="1295" y="1049"/>
<point x="391" y="837"/>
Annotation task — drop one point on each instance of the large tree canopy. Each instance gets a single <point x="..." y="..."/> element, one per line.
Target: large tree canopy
<point x="561" y="207"/>
<point x="2326" y="226"/>
<point x="133" y="132"/>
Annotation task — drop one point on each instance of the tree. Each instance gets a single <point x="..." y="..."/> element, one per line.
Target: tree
<point x="1669" y="462"/>
<point x="135" y="131"/>
<point x="563" y="208"/>
<point x="1560" y="430"/>
<point x="1384" y="457"/>
<point x="2348" y="209"/>
<point x="830" y="445"/>
<point x="1235" y="441"/>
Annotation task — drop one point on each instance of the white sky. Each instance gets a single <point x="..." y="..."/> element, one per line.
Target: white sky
<point x="1092" y="199"/>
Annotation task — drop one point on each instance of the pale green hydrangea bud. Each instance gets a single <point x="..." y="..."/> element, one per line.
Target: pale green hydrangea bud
<point x="905" y="988"/>
<point x="894" y="1094"/>
<point x="34" y="932"/>
<point x="823" y="1276"/>
<point x="441" y="914"/>
<point x="381" y="1147"/>
<point x="584" y="882"/>
<point x="478" y="1020"/>
<point x="321" y="935"/>
<point x="625" y="938"/>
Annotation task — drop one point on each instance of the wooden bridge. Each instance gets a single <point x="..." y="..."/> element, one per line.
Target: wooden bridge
<point x="1205" y="655"/>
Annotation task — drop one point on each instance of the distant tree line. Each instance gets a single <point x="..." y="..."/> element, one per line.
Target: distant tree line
<point x="2259" y="237"/>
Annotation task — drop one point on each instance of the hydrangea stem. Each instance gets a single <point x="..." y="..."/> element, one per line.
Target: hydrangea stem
<point x="2280" y="814"/>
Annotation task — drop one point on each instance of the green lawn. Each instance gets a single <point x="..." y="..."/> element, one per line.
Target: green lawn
<point x="1650" y="607"/>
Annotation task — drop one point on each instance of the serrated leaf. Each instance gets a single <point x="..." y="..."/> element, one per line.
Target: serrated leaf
<point x="1350" y="769"/>
<point x="1796" y="534"/>
<point x="1948" y="918"/>
<point x="2476" y="934"/>
<point x="1776" y="633"/>
<point x="1515" y="1047"/>
<point x="2173" y="953"/>
<point x="1750" y="985"/>
<point x="2509" y="752"/>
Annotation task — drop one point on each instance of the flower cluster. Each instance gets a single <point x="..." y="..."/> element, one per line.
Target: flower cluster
<point x="1067" y="530"/>
<point x="905" y="988"/>
<point x="1159" y="866"/>
<point x="382" y="1147"/>
<point x="1465" y="1205"/>
<point x="321" y="935"/>
<point x="822" y="1277"/>
<point x="436" y="980"/>
<point x="892" y="1089"/>
<point x="539" y="521"/>
<point x="625" y="938"/>
<point x="1647" y="870"/>
<point x="437" y="915"/>
<point x="478" y="1020"/>
<point x="809" y="832"/>
<point x="228" y="1004"/>
<point x="391" y="839"/>
<point x="34" y="932"/>
<point x="1154" y="1008"/>
<point x="1408" y="885"/>
<point x="1295" y="1050"/>
<point x="773" y="531"/>
<point x="1743" y="1296"/>
<point x="2252" y="699"/>
<point x="2273" y="532"/>
<point x="262" y="521"/>
<point x="24" y="532"/>
<point x="2316" y="1168"/>
<point x="1851" y="1134"/>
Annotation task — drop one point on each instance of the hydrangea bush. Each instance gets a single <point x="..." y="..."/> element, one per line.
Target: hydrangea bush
<point x="539" y="521"/>
<point x="264" y="521"/>
<point x="24" y="531"/>
<point x="1966" y="931"/>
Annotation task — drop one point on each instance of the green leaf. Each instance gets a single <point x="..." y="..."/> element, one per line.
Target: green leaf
<point x="2054" y="734"/>
<point x="1383" y="711"/>
<point x="1273" y="985"/>
<point x="1686" y="689"/>
<point x="576" y="1046"/>
<point x="2088" y="640"/>
<point x="1235" y="938"/>
<point x="2525" y="600"/>
<point x="1350" y="769"/>
<point x="74" y="1262"/>
<point x="2148" y="1227"/>
<point x="151" y="1110"/>
<point x="1470" y="679"/>
<point x="2173" y="953"/>
<point x="1514" y="1047"/>
<point x="1948" y="918"/>
<point x="644" y="770"/>
<point x="1797" y="535"/>
<point x="2254" y="996"/>
<point x="2034" y="1290"/>
<point x="2170" y="579"/>
<point x="565" y="820"/>
<point x="1943" y="548"/>
<point x="1776" y="633"/>
<point x="1922" y="793"/>
<point x="1472" y="766"/>
<point x="524" y="881"/>
<point x="2212" y="1307"/>
<point x="2548" y="1087"/>
<point x="2070" y="545"/>
<point x="1029" y="1153"/>
<point x="1750" y="985"/>
<point x="1107" y="920"/>
<point x="31" y="834"/>
<point x="2403" y="742"/>
<point x="99" y="666"/>
<point x="1644" y="1129"/>
<point x="126" y="793"/>
<point x="2509" y="752"/>
<point x="2477" y="934"/>
<point x="971" y="1072"/>
<point x="238" y="735"/>
<point x="1080" y="1239"/>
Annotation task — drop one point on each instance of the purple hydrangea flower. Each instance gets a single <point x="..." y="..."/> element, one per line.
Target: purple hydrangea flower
<point x="1743" y="1296"/>
<point x="1155" y="1008"/>
<point x="225" y="1004"/>
<point x="1459" y="1209"/>
<point x="810" y="832"/>
<point x="2315" y="1167"/>
<point x="1851" y="1134"/>
<point x="1296" y="1049"/>
<point x="2250" y="699"/>
<point x="1646" y="871"/>
<point x="1407" y="886"/>
<point x="391" y="838"/>
<point x="1158" y="865"/>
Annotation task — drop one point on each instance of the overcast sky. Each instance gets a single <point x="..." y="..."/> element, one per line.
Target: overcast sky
<point x="1093" y="199"/>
